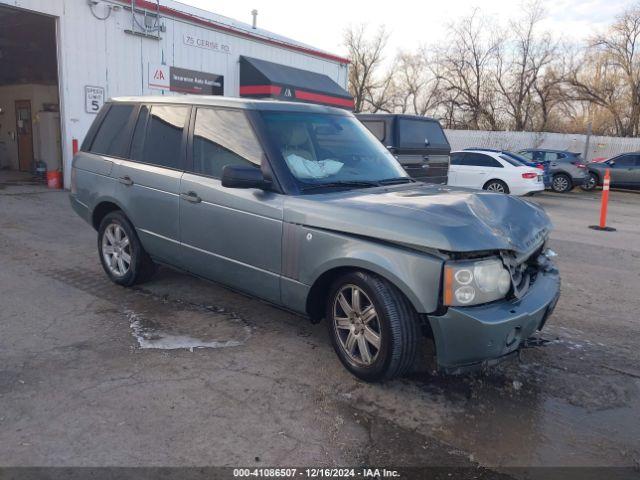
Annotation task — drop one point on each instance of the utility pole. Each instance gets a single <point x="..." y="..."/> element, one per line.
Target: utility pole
<point x="586" y="143"/>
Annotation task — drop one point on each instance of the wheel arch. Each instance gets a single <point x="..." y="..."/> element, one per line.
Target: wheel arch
<point x="103" y="207"/>
<point x="315" y="302"/>
<point x="495" y="179"/>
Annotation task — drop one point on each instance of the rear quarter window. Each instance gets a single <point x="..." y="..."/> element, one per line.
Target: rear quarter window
<point x="420" y="133"/>
<point x="113" y="135"/>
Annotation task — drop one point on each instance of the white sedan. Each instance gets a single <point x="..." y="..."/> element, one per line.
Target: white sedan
<point x="493" y="171"/>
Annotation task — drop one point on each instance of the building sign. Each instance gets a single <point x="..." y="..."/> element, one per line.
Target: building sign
<point x="159" y="78"/>
<point x="174" y="79"/>
<point x="195" y="41"/>
<point x="93" y="99"/>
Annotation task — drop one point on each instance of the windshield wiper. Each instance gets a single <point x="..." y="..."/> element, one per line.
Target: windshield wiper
<point x="397" y="180"/>
<point x="345" y="183"/>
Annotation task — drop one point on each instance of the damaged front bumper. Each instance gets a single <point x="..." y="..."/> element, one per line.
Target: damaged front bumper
<point x="470" y="338"/>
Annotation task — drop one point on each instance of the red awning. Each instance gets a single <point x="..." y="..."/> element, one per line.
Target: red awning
<point x="262" y="79"/>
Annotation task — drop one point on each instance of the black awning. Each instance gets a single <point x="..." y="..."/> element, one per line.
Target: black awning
<point x="262" y="79"/>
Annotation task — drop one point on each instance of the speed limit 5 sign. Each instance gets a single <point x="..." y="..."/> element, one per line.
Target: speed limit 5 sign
<point x="93" y="99"/>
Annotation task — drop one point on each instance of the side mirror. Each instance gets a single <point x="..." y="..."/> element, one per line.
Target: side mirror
<point x="243" y="176"/>
<point x="611" y="163"/>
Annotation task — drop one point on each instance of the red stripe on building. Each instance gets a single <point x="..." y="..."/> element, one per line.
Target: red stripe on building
<point x="326" y="99"/>
<point x="152" y="7"/>
<point x="260" y="90"/>
<point x="299" y="94"/>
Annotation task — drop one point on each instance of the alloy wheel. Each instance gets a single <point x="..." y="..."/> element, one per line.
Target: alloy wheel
<point x="356" y="325"/>
<point x="591" y="182"/>
<point x="116" y="249"/>
<point x="560" y="184"/>
<point x="495" y="187"/>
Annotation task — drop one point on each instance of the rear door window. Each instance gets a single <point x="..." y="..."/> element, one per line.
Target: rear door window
<point x="158" y="139"/>
<point x="625" y="161"/>
<point x="457" y="159"/>
<point x="223" y="137"/>
<point x="420" y="133"/>
<point x="113" y="136"/>
<point x="481" y="160"/>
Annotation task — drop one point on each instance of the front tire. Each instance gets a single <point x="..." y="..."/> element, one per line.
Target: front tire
<point x="496" y="186"/>
<point x="373" y="327"/>
<point x="561" y="183"/>
<point x="122" y="256"/>
<point x="591" y="183"/>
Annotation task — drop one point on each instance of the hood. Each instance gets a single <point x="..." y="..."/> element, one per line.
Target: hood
<point x="426" y="216"/>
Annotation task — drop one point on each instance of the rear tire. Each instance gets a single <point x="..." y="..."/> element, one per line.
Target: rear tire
<point x="591" y="183"/>
<point x="496" y="186"/>
<point x="376" y="335"/>
<point x="121" y="254"/>
<point x="561" y="183"/>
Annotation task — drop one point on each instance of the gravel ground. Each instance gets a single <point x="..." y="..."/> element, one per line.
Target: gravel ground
<point x="81" y="383"/>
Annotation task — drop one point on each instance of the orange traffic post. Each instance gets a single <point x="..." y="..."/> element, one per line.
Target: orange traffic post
<point x="603" y="204"/>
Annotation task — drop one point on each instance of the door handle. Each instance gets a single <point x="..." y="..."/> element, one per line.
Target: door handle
<point x="126" y="180"/>
<point x="191" y="197"/>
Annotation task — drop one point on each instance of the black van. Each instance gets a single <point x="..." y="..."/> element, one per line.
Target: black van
<point x="419" y="143"/>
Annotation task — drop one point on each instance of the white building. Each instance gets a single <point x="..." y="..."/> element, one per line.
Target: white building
<point x="61" y="59"/>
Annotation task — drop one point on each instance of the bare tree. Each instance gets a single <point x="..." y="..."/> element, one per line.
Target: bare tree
<point x="608" y="75"/>
<point x="366" y="55"/>
<point x="525" y="80"/>
<point x="466" y="71"/>
<point x="416" y="84"/>
<point x="549" y="95"/>
<point x="520" y="67"/>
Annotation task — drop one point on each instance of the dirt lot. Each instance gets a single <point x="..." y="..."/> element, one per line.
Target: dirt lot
<point x="78" y="388"/>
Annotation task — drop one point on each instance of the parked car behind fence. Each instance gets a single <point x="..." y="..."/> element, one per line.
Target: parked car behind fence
<point x="624" y="171"/>
<point x="493" y="171"/>
<point x="567" y="169"/>
<point x="544" y="166"/>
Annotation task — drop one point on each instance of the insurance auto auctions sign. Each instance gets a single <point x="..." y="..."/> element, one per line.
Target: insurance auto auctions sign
<point x="174" y="79"/>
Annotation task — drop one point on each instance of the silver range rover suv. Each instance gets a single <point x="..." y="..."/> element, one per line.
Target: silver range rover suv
<point x="300" y="205"/>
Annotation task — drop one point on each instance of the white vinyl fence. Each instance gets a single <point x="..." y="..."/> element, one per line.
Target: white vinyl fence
<point x="514" y="141"/>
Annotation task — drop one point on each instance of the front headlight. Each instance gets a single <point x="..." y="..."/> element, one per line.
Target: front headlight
<point x="475" y="282"/>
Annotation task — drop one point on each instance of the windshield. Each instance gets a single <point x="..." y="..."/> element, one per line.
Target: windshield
<point x="323" y="149"/>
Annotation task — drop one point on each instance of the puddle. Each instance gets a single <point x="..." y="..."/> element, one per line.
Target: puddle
<point x="149" y="337"/>
<point x="160" y="322"/>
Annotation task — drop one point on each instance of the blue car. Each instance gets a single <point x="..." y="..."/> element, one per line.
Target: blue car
<point x="544" y="166"/>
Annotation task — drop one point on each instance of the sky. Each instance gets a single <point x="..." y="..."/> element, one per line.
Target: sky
<point x="410" y="23"/>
